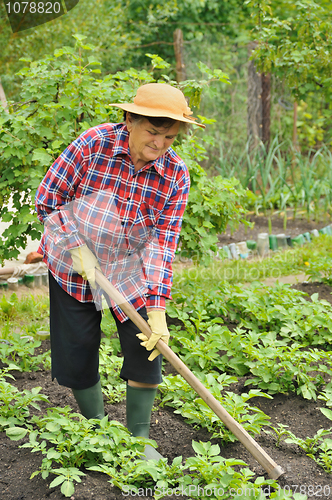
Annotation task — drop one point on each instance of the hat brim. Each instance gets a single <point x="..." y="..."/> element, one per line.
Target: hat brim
<point x="145" y="111"/>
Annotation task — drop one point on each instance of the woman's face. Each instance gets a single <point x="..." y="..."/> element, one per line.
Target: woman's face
<point x="147" y="142"/>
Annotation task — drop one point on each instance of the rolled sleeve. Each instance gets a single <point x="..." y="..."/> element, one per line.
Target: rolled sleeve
<point x="157" y="301"/>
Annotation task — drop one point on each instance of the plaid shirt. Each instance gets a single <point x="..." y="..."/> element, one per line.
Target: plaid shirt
<point x="92" y="195"/>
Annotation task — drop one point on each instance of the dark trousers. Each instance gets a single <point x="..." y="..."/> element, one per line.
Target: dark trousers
<point x="75" y="340"/>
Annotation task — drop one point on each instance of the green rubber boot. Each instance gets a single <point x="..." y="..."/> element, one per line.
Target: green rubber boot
<point x="90" y="401"/>
<point x="139" y="405"/>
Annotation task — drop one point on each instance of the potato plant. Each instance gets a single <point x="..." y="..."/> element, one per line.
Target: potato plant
<point x="276" y="340"/>
<point x="280" y="341"/>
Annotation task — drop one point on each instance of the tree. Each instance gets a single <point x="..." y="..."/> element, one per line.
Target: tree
<point x="259" y="105"/>
<point x="103" y="25"/>
<point x="294" y="42"/>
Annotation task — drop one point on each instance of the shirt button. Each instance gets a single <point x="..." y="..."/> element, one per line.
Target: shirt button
<point x="128" y="199"/>
<point x="122" y="223"/>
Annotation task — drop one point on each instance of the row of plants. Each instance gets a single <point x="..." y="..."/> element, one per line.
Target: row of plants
<point x="318" y="447"/>
<point x="72" y="445"/>
<point x="281" y="178"/>
<point x="274" y="337"/>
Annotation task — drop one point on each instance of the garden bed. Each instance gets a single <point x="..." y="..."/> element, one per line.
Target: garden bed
<point x="294" y="227"/>
<point x="174" y="437"/>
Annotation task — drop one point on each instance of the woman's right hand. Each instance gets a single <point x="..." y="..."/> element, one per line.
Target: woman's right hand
<point x="85" y="263"/>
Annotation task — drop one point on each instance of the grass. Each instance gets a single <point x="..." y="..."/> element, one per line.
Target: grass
<point x="293" y="261"/>
<point x="26" y="315"/>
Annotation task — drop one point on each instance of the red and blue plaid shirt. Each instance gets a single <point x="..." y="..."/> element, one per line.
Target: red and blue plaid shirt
<point x="92" y="195"/>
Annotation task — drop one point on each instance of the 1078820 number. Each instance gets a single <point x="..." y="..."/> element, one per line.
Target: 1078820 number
<point x="33" y="7"/>
<point x="317" y="490"/>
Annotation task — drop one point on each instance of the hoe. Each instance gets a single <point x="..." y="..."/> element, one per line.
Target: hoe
<point x="273" y="470"/>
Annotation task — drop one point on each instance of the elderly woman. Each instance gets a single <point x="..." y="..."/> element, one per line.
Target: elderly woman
<point x="135" y="161"/>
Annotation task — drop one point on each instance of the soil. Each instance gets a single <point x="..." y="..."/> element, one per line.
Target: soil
<point x="174" y="436"/>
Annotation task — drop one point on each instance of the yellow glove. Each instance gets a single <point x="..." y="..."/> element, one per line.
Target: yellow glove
<point x="158" y="325"/>
<point x="84" y="263"/>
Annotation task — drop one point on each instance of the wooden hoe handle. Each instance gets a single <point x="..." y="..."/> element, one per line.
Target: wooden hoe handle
<point x="273" y="470"/>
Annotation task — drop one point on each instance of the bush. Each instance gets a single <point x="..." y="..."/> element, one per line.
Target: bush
<point x="61" y="97"/>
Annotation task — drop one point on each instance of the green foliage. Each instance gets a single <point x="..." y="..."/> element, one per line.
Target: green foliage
<point x="319" y="448"/>
<point x="14" y="404"/>
<point x="309" y="445"/>
<point x="294" y="42"/>
<point x="60" y="98"/>
<point x="177" y="393"/>
<point x="282" y="177"/>
<point x="213" y="204"/>
<point x="8" y="307"/>
<point x="198" y="477"/>
<point x="213" y="468"/>
<point x="326" y="395"/>
<point x="280" y="369"/>
<point x="27" y="317"/>
<point x="21" y="351"/>
<point x="109" y="329"/>
<point x="70" y="440"/>
<point x="110" y="365"/>
<point x="20" y="320"/>
<point x="105" y="25"/>
<point x="320" y="269"/>
<point x="272" y="336"/>
<point x="30" y="307"/>
<point x="204" y="23"/>
<point x="324" y="458"/>
<point x="283" y="311"/>
<point x="280" y="430"/>
<point x="59" y="95"/>
<point x="201" y="351"/>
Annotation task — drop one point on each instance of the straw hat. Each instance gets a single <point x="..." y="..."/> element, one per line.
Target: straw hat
<point x="160" y="99"/>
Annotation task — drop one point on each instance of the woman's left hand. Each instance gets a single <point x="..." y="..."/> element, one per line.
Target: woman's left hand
<point x="158" y="325"/>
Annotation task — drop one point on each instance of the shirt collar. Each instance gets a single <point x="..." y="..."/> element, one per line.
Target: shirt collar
<point x="121" y="146"/>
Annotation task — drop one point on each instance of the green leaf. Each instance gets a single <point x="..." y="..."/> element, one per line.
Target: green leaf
<point x="198" y="448"/>
<point x="16" y="433"/>
<point x="326" y="412"/>
<point x="57" y="144"/>
<point x="78" y="37"/>
<point x="42" y="157"/>
<point x="53" y="426"/>
<point x="93" y="60"/>
<point x="67" y="488"/>
<point x="58" y="480"/>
